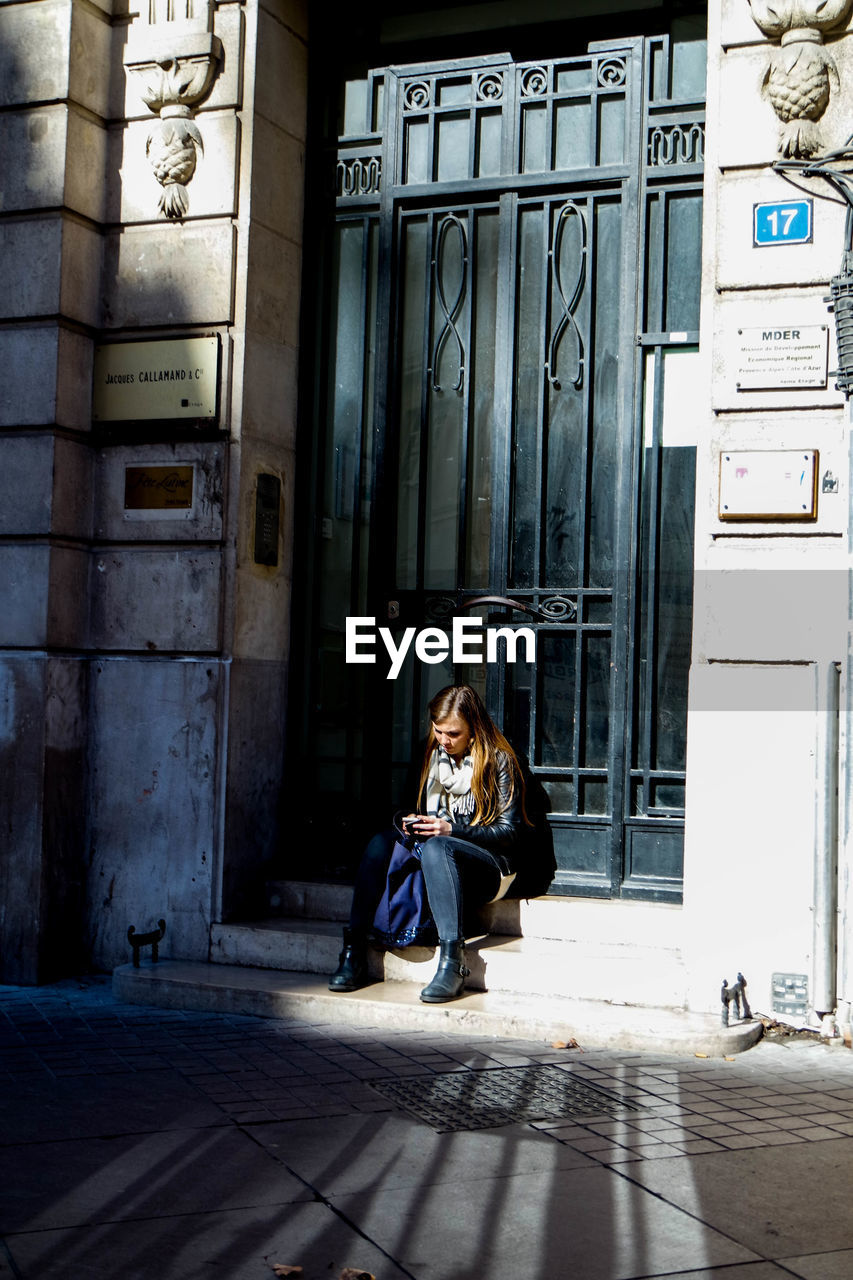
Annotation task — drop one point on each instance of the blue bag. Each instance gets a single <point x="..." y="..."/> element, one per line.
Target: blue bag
<point x="403" y="917"/>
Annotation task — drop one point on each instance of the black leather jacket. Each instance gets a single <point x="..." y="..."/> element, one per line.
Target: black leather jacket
<point x="504" y="836"/>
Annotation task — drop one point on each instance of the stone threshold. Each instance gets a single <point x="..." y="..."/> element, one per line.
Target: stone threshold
<point x="305" y="997"/>
<point x="521" y="966"/>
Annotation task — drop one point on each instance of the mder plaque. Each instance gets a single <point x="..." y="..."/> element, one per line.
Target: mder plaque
<point x="777" y="358"/>
<point x="156" y="381"/>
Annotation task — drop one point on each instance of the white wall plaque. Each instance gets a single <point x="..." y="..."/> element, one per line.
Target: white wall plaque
<point x="156" y="381"/>
<point x="771" y="357"/>
<point x="768" y="484"/>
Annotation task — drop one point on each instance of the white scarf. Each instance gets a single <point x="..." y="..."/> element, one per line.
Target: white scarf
<point x="448" y="787"/>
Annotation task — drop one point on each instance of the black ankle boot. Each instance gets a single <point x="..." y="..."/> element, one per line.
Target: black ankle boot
<point x="351" y="973"/>
<point x="450" y="975"/>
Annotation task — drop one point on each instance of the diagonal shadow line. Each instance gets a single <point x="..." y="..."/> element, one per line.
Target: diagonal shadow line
<point x="8" y="1260"/>
<point x="321" y="1198"/>
<point x="69" y="1254"/>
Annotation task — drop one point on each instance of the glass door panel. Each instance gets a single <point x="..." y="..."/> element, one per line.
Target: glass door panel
<point x="448" y="275"/>
<point x="664" y="611"/>
<point x="412" y="361"/>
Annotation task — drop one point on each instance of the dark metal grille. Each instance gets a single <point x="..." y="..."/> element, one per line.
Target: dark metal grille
<point x="463" y="1100"/>
<point x="511" y="315"/>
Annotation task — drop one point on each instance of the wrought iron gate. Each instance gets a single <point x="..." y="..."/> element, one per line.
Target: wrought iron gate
<point x="513" y="311"/>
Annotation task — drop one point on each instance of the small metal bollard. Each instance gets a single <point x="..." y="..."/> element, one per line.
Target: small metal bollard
<point x="734" y="995"/>
<point x="152" y="940"/>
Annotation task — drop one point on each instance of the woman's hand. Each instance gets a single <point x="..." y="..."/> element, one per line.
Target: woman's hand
<point x="423" y="827"/>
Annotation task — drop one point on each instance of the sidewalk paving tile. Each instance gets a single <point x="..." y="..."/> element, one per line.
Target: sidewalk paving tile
<point x="232" y="1244"/>
<point x="100" y="1180"/>
<point x="605" y="1224"/>
<point x="769" y="1203"/>
<point x="169" y="1120"/>
<point x="394" y="1150"/>
<point x="822" y="1266"/>
<point x="696" y="1146"/>
<point x="70" y="1109"/>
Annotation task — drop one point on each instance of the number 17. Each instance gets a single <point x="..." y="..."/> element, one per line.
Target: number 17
<point x="788" y="216"/>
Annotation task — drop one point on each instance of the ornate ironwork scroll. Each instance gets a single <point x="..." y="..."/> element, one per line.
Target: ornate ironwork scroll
<point x="450" y="312"/>
<point x="490" y="86"/>
<point x="552" y="609"/>
<point x="361" y="176"/>
<point x="558" y="609"/>
<point x="677" y="144"/>
<point x="534" y="82"/>
<point x="567" y="317"/>
<point x="612" y="72"/>
<point x="439" y="608"/>
<point x="417" y="95"/>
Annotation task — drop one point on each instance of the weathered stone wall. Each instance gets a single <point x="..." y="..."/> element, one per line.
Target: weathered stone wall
<point x="55" y="59"/>
<point x="143" y="664"/>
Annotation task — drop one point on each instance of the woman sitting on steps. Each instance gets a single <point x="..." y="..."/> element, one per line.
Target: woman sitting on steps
<point x="469" y="839"/>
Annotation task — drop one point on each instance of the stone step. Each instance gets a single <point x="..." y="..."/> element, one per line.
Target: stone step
<point x="594" y="920"/>
<point x="627" y="974"/>
<point x="220" y="988"/>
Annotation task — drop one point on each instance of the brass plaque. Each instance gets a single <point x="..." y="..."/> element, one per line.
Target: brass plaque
<point x="158" y="488"/>
<point x="156" y="381"/>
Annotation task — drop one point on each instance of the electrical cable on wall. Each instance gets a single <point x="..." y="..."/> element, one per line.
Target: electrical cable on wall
<point x="841" y="285"/>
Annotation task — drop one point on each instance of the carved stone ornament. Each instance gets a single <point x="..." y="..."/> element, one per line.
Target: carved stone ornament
<point x="175" y="77"/>
<point x="801" y="74"/>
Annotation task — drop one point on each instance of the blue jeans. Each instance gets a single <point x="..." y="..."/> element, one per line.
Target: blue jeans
<point x="458" y="874"/>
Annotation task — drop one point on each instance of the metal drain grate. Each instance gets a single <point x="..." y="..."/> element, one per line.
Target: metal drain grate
<point x="501" y="1095"/>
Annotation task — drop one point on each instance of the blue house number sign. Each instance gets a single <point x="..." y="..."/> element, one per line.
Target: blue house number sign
<point x="787" y="222"/>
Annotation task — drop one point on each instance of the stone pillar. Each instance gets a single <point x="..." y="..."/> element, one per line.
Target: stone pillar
<point x="54" y="83"/>
<point x="159" y="586"/>
<point x="268" y="285"/>
<point x="770" y="599"/>
<point x="156" y="193"/>
<point x="193" y="633"/>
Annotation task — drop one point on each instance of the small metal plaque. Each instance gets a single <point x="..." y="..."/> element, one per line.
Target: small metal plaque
<point x="159" y="489"/>
<point x="776" y="357"/>
<point x="769" y="484"/>
<point x="267" y="505"/>
<point x="785" y="222"/>
<point x="156" y="381"/>
<point x="790" y="994"/>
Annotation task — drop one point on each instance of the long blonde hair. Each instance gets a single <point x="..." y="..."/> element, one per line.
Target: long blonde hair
<point x="486" y="742"/>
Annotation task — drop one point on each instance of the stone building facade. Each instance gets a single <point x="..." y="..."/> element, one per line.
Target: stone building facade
<point x="164" y="664"/>
<point x="144" y="661"/>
